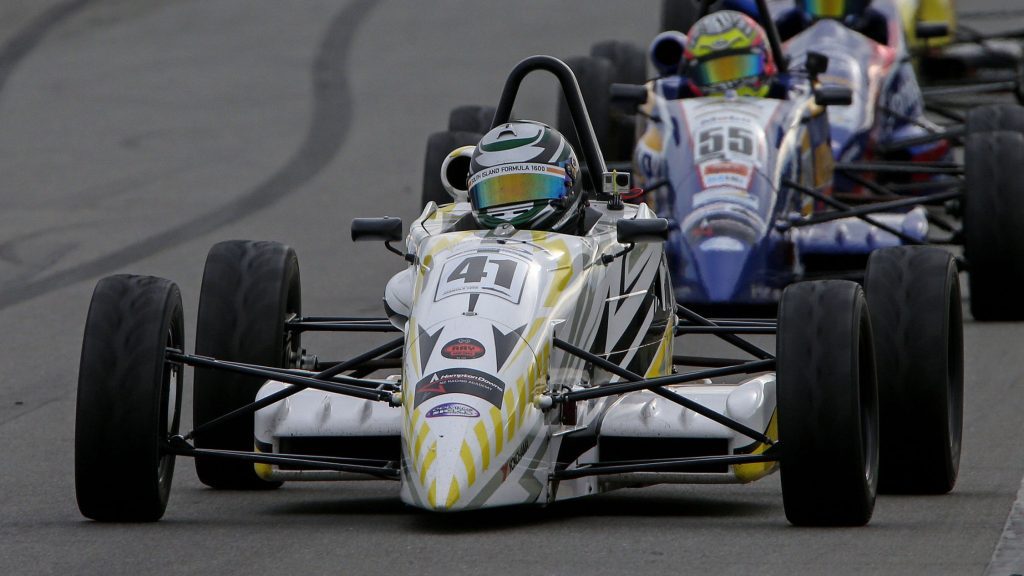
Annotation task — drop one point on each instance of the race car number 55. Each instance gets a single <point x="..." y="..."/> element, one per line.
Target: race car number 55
<point x="498" y="275"/>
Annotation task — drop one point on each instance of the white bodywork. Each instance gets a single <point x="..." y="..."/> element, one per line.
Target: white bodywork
<point x="473" y="426"/>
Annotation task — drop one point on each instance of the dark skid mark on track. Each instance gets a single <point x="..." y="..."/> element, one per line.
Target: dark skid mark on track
<point x="328" y="128"/>
<point x="15" y="49"/>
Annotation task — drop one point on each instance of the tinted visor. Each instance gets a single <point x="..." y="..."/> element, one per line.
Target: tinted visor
<point x="727" y="68"/>
<point x="511" y="188"/>
<point x="830" y="8"/>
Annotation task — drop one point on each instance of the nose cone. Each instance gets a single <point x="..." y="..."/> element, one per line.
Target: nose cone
<point x="720" y="264"/>
<point x="442" y="459"/>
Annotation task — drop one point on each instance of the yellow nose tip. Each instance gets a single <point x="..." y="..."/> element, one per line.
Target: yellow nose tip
<point x="452" y="496"/>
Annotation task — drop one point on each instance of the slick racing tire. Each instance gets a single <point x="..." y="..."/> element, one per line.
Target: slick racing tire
<point x="680" y="15"/>
<point x="250" y="289"/>
<point x="629" y="66"/>
<point x="914" y="296"/>
<point x="992" y="230"/>
<point x="439" y="145"/>
<point x="594" y="76"/>
<point x="471" y="118"/>
<point x="129" y="399"/>
<point x="827" y="404"/>
<point x="995" y="117"/>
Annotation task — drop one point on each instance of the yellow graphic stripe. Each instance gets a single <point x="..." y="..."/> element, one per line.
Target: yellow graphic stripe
<point x="420" y="437"/>
<point x="662" y="365"/>
<point x="432" y="494"/>
<point x="756" y="470"/>
<point x="498" y="435"/>
<point x="508" y="406"/>
<point x="453" y="493"/>
<point x="415" y="362"/>
<point x="468" y="462"/>
<point x="485" y="443"/>
<point x="562" y="273"/>
<point x="427" y="462"/>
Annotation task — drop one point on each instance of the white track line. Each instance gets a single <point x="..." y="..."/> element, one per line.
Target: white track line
<point x="1008" y="559"/>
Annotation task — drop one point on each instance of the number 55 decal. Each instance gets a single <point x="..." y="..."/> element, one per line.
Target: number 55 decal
<point x="495" y="274"/>
<point x="713" y="141"/>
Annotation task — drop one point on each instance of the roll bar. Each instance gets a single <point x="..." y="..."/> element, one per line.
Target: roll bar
<point x="577" y="109"/>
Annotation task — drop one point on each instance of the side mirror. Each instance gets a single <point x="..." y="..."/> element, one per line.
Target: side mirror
<point x="833" y="96"/>
<point x="641" y="231"/>
<point x="816" y="64"/>
<point x="386" y="229"/>
<point x="628" y="96"/>
<point x="926" y="30"/>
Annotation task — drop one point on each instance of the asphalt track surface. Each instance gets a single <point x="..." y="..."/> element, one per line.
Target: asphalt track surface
<point x="134" y="134"/>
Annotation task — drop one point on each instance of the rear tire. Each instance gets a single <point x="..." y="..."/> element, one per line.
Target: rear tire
<point x="995" y="117"/>
<point x="471" y="118"/>
<point x="129" y="399"/>
<point x="681" y="15"/>
<point x="827" y="404"/>
<point x="993" y="234"/>
<point x="250" y="289"/>
<point x="594" y="75"/>
<point x="439" y="145"/>
<point x="914" y="298"/>
<point x="629" y="66"/>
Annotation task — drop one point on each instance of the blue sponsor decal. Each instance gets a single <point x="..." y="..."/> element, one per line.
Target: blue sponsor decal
<point x="453" y="409"/>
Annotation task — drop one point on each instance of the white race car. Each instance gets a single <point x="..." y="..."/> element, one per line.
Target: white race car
<point x="532" y="367"/>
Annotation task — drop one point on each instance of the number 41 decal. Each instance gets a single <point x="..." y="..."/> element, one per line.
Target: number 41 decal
<point x="495" y="274"/>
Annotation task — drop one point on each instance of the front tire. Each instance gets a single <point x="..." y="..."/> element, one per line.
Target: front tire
<point x="129" y="399"/>
<point x="914" y="297"/>
<point x="250" y="290"/>
<point x="827" y="404"/>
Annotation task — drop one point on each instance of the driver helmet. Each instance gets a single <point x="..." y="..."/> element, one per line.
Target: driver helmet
<point x="525" y="173"/>
<point x="729" y="51"/>
<point x="835" y="9"/>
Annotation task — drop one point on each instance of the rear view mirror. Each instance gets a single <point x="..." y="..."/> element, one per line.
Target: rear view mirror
<point x="641" y="231"/>
<point x="833" y="96"/>
<point x="816" y="64"/>
<point x="386" y="229"/>
<point x="628" y="95"/>
<point x="925" y="30"/>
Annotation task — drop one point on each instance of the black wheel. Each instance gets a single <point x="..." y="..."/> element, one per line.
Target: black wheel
<point x="993" y="234"/>
<point x="827" y="404"/>
<point x="682" y="14"/>
<point x="629" y="62"/>
<point x="129" y="399"/>
<point x="629" y="66"/>
<point x="471" y="118"/>
<point x="250" y="289"/>
<point x="594" y="75"/>
<point x="995" y="117"/>
<point x="914" y="296"/>
<point x="439" y="145"/>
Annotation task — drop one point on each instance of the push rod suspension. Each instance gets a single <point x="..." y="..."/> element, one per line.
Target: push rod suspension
<point x="662" y="465"/>
<point x="325" y="375"/>
<point x="849" y="211"/>
<point x="882" y="207"/>
<point x="179" y="446"/>
<point x="950" y="168"/>
<point x="636" y="383"/>
<point x="748" y="347"/>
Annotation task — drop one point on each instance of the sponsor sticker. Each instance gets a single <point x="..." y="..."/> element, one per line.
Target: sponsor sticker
<point x="463" y="349"/>
<point x="453" y="409"/>
<point x="460" y="381"/>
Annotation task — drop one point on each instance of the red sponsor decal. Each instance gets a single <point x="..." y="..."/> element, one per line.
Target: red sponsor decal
<point x="727" y="168"/>
<point x="463" y="349"/>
